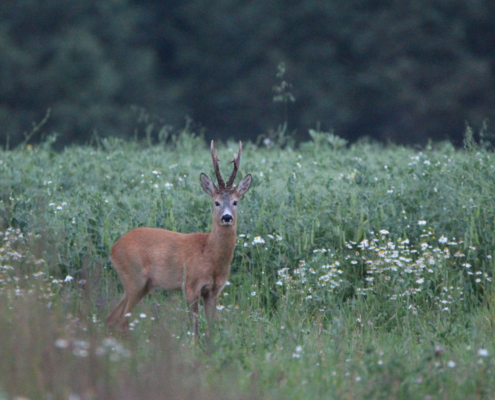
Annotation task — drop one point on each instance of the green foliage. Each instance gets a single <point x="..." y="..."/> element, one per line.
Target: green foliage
<point x="400" y="71"/>
<point x="360" y="272"/>
<point x="83" y="60"/>
<point x="406" y="71"/>
<point x="323" y="139"/>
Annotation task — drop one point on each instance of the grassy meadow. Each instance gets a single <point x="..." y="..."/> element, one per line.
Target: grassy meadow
<point x="361" y="272"/>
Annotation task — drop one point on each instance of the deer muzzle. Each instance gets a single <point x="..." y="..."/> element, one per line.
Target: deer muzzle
<point x="227" y="219"/>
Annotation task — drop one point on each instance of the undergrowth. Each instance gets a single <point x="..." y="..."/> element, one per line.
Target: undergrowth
<point x="360" y="272"/>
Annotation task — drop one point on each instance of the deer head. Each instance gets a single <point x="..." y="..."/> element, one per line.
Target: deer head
<point x="224" y="197"/>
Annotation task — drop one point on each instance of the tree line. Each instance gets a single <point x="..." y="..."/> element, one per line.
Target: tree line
<point x="390" y="70"/>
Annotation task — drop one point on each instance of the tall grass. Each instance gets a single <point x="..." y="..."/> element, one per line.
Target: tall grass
<point x="360" y="272"/>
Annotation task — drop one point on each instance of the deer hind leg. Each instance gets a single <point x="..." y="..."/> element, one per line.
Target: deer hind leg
<point x="116" y="317"/>
<point x="132" y="295"/>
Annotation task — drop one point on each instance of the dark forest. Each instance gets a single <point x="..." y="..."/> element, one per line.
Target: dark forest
<point x="405" y="72"/>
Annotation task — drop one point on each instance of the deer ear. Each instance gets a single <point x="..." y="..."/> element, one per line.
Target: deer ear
<point x="207" y="184"/>
<point x="244" y="185"/>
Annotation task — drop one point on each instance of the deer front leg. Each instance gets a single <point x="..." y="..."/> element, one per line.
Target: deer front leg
<point x="210" y="303"/>
<point x="193" y="301"/>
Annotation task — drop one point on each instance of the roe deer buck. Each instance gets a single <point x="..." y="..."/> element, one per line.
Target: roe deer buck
<point x="146" y="258"/>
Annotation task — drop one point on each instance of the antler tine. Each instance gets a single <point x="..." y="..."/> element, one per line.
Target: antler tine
<point x="237" y="162"/>
<point x="214" y="156"/>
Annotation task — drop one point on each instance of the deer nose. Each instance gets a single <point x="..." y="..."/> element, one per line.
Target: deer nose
<point x="227" y="218"/>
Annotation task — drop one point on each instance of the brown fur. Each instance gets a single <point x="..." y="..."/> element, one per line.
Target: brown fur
<point x="146" y="258"/>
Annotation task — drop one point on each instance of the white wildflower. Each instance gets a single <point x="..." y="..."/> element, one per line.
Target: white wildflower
<point x="483" y="352"/>
<point x="61" y="343"/>
<point x="258" y="240"/>
<point x="297" y="353"/>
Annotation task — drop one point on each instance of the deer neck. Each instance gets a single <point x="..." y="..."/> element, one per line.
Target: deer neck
<point x="221" y="242"/>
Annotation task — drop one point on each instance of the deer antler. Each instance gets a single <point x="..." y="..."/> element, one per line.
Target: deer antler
<point x="214" y="156"/>
<point x="237" y="162"/>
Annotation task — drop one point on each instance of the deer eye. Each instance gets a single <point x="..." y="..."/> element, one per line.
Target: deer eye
<point x="217" y="203"/>
<point x="235" y="203"/>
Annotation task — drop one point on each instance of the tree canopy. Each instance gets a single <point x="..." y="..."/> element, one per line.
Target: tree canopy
<point x="390" y="70"/>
